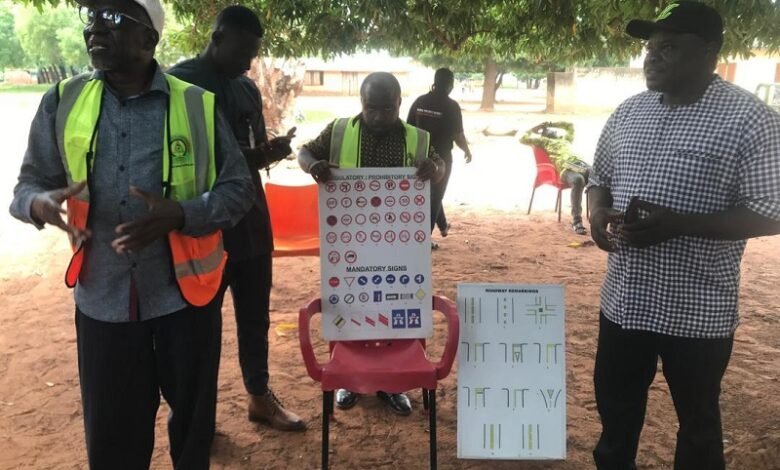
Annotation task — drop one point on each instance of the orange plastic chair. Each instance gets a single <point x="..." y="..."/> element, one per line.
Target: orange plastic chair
<point x="294" y="219"/>
<point x="547" y="174"/>
<point x="393" y="366"/>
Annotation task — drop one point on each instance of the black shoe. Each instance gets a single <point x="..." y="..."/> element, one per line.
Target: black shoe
<point x="346" y="399"/>
<point x="398" y="402"/>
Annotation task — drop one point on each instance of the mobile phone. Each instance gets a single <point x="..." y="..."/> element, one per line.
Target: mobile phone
<point x="632" y="211"/>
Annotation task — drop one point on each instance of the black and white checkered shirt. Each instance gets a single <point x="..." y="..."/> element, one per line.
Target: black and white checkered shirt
<point x="707" y="157"/>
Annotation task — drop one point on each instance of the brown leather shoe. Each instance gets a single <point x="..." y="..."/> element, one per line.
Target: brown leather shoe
<point x="268" y="410"/>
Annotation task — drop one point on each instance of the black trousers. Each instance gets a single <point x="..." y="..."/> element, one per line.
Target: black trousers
<point x="123" y="368"/>
<point x="250" y="287"/>
<point x="438" y="218"/>
<point x="626" y="363"/>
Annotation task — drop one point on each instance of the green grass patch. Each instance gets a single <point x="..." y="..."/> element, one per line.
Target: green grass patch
<point x="37" y="88"/>
<point x="318" y="115"/>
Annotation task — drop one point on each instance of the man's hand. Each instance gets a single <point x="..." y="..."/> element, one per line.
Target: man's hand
<point x="600" y="220"/>
<point x="320" y="170"/>
<point x="279" y="147"/>
<point x="659" y="226"/>
<point x="429" y="169"/>
<point x="467" y="157"/>
<point x="47" y="208"/>
<point x="165" y="215"/>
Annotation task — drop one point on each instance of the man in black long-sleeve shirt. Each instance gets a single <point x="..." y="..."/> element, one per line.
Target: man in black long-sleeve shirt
<point x="235" y="41"/>
<point x="440" y="115"/>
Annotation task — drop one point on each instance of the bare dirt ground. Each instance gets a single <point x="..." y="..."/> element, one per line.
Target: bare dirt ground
<point x="492" y="240"/>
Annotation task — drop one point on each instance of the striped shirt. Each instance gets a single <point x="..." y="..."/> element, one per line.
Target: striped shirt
<point x="707" y="157"/>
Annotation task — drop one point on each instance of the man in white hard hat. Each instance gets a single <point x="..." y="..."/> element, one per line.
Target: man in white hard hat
<point x="151" y="174"/>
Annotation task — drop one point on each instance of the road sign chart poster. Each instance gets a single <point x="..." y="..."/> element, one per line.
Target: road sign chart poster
<point x="511" y="372"/>
<point x="375" y="250"/>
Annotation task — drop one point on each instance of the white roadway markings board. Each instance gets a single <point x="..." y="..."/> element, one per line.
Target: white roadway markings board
<point x="511" y="372"/>
<point x="375" y="255"/>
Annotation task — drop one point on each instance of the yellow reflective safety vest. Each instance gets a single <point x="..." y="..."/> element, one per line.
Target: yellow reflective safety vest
<point x="188" y="171"/>
<point x="345" y="143"/>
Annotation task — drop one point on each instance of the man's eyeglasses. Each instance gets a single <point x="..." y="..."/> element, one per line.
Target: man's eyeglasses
<point x="110" y="17"/>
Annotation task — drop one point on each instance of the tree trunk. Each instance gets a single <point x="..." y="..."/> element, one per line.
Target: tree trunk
<point x="489" y="86"/>
<point x="280" y="82"/>
<point x="499" y="82"/>
<point x="46" y="75"/>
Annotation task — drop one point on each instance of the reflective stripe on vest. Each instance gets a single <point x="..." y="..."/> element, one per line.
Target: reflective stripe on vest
<point x="187" y="162"/>
<point x="345" y="143"/>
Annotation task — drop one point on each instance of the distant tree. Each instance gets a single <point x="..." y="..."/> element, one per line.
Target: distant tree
<point x="466" y="66"/>
<point x="175" y="44"/>
<point x="488" y="32"/>
<point x="11" y="53"/>
<point x="70" y="41"/>
<point x="563" y="33"/>
<point x="510" y="35"/>
<point x="52" y="41"/>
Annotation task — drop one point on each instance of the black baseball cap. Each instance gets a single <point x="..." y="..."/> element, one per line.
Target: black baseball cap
<point x="682" y="17"/>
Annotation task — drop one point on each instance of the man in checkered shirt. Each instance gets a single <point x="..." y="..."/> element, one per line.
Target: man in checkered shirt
<point x="701" y="160"/>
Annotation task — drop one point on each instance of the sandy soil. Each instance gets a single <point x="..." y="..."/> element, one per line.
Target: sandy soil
<point x="492" y="240"/>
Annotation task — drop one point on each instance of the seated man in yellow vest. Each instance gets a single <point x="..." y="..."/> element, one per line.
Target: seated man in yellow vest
<point x="151" y="173"/>
<point x="374" y="138"/>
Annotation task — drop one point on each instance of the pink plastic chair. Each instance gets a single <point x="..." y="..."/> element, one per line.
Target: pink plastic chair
<point x="391" y="365"/>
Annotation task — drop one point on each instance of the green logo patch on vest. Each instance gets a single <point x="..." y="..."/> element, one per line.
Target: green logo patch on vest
<point x="180" y="152"/>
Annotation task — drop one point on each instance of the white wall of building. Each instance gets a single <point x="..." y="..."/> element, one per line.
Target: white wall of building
<point x="750" y="73"/>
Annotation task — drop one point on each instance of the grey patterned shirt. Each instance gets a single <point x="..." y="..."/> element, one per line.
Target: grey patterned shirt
<point x="129" y="152"/>
<point x="707" y="157"/>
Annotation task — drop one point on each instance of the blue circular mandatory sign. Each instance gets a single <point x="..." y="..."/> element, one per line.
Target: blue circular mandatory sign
<point x="419" y="279"/>
<point x="362" y="280"/>
<point x="333" y="299"/>
<point x="390" y="279"/>
<point x="404" y="279"/>
<point x="377" y="279"/>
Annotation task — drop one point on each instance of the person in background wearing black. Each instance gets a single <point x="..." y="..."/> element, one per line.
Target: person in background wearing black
<point x="235" y="41"/>
<point x="440" y="115"/>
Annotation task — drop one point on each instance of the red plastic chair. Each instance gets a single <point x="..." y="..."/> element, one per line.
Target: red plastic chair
<point x="547" y="174"/>
<point x="294" y="219"/>
<point x="393" y="366"/>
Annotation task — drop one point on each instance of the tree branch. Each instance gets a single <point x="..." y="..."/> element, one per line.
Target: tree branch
<point x="439" y="34"/>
